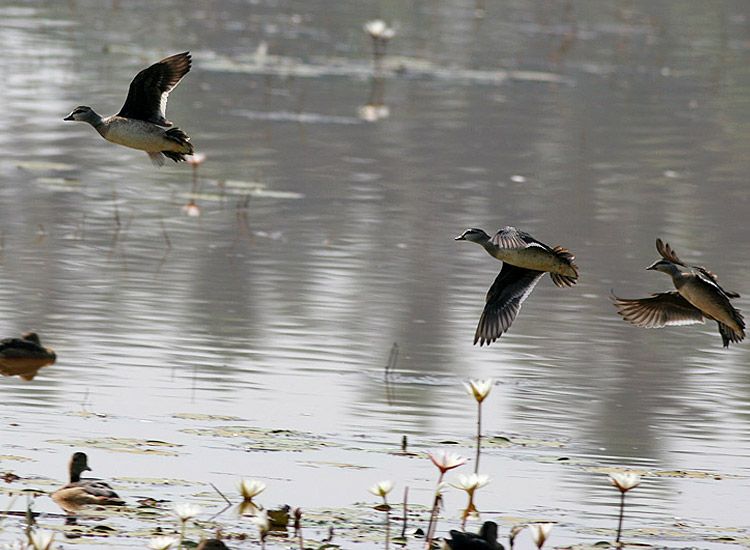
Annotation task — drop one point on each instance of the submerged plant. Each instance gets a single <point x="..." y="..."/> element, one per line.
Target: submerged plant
<point x="480" y="389"/>
<point x="624" y="482"/>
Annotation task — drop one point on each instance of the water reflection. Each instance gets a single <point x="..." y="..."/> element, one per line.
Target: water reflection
<point x="322" y="240"/>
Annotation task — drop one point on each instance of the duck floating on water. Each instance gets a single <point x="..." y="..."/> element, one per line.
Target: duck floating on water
<point x="24" y="356"/>
<point x="525" y="261"/>
<point x="698" y="297"/>
<point x="486" y="539"/>
<point x="141" y="123"/>
<point x="80" y="492"/>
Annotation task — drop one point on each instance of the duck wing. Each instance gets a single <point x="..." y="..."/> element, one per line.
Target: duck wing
<point x="149" y="90"/>
<point x="510" y="237"/>
<point x="668" y="253"/>
<point x="660" y="310"/>
<point x="511" y="287"/>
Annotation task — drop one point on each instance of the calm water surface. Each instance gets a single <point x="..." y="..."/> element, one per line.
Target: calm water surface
<point x="323" y="240"/>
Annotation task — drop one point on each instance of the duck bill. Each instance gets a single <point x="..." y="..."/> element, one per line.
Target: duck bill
<point x="652" y="267"/>
<point x="459" y="238"/>
<point x="69" y="117"/>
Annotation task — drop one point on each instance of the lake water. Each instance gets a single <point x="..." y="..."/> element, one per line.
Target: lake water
<point x="323" y="239"/>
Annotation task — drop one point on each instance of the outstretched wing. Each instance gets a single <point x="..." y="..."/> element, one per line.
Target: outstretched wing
<point x="511" y="287"/>
<point x="510" y="237"/>
<point x="668" y="253"/>
<point x="660" y="310"/>
<point x="147" y="97"/>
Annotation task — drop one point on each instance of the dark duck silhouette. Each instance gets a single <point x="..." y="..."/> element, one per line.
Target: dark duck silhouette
<point x="698" y="297"/>
<point x="24" y="356"/>
<point x="141" y="123"/>
<point x="525" y="261"/>
<point x="80" y="492"/>
<point x="486" y="539"/>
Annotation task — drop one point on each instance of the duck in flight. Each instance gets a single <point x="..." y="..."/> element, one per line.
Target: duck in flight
<point x="525" y="261"/>
<point x="80" y="492"/>
<point x="141" y="123"/>
<point x="698" y="297"/>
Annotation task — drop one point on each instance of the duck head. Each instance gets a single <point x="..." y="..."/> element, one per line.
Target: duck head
<point x="665" y="266"/>
<point x="84" y="114"/>
<point x="78" y="465"/>
<point x="474" y="235"/>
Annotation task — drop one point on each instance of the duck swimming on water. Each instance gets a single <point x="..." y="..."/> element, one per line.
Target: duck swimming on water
<point x="525" y="261"/>
<point x="24" y="356"/>
<point x="486" y="539"/>
<point x="141" y="123"/>
<point x="80" y="492"/>
<point x="698" y="297"/>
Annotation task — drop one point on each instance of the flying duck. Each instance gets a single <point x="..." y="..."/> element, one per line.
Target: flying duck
<point x="486" y="539"/>
<point x="141" y="123"/>
<point x="525" y="261"/>
<point x="699" y="296"/>
<point x="80" y="492"/>
<point x="24" y="356"/>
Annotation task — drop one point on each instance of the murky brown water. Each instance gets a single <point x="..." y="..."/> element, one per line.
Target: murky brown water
<point x="324" y="239"/>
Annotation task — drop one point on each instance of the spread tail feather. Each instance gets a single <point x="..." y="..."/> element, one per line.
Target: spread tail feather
<point x="181" y="138"/>
<point x="567" y="257"/>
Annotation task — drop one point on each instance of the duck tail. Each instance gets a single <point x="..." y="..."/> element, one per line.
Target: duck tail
<point x="181" y="138"/>
<point x="571" y="278"/>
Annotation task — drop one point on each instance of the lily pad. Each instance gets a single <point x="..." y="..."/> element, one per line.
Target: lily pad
<point x="123" y="445"/>
<point x="198" y="416"/>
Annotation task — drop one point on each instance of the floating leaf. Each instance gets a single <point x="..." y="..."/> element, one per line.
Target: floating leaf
<point x="123" y="445"/>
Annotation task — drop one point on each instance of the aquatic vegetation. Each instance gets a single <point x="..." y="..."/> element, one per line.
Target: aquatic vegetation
<point x="444" y="461"/>
<point x="42" y="540"/>
<point x="162" y="543"/>
<point x="251" y="488"/>
<point x="540" y="533"/>
<point x="470" y="484"/>
<point x="381" y="34"/>
<point x="381" y="489"/>
<point x="480" y="389"/>
<point x="261" y="521"/>
<point x="624" y="483"/>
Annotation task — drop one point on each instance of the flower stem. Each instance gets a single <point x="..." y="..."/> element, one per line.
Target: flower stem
<point x="387" y="527"/>
<point x="479" y="436"/>
<point x="431" y="527"/>
<point x="622" y="513"/>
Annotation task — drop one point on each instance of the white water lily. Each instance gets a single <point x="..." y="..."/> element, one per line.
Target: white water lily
<point x="480" y="389"/>
<point x="378" y="30"/>
<point x="251" y="488"/>
<point x="445" y="460"/>
<point x="540" y="532"/>
<point x="381" y="488"/>
<point x="42" y="540"/>
<point x="186" y="511"/>
<point x="471" y="483"/>
<point x="625" y="481"/>
<point x="262" y="522"/>
<point x="161" y="543"/>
